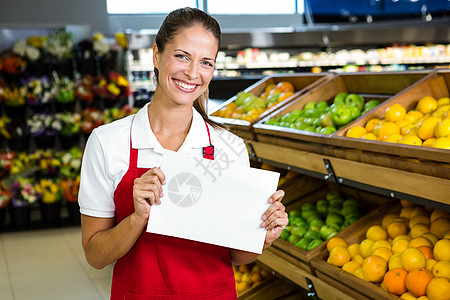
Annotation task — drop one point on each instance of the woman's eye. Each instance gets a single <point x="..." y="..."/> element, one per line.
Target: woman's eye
<point x="182" y="56"/>
<point x="208" y="64"/>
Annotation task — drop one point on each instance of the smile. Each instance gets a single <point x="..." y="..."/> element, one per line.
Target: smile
<point x="185" y="86"/>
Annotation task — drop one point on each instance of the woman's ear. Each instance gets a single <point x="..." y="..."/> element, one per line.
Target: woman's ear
<point x="155" y="55"/>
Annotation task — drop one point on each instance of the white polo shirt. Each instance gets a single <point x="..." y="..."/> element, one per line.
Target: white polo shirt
<point x="107" y="154"/>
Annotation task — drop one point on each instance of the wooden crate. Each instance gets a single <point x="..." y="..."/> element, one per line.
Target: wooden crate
<point x="379" y="86"/>
<point x="272" y="288"/>
<point x="346" y="282"/>
<point x="436" y="85"/>
<point x="302" y="82"/>
<point x="302" y="258"/>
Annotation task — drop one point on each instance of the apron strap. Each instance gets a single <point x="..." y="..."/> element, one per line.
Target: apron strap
<point x="133" y="152"/>
<point x="208" y="151"/>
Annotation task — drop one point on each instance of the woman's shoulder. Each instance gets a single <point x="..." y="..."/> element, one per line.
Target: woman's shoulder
<point x="114" y="131"/>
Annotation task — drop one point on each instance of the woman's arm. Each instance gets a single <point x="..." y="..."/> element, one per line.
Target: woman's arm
<point x="103" y="242"/>
<point x="275" y="219"/>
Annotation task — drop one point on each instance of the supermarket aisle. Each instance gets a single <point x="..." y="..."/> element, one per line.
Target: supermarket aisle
<point x="49" y="264"/>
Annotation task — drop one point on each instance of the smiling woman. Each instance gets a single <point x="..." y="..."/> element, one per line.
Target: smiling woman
<point x="121" y="179"/>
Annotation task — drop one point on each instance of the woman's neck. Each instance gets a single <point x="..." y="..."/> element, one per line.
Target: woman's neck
<point x="169" y="122"/>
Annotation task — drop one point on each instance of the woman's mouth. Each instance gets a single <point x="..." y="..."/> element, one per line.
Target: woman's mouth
<point x="185" y="86"/>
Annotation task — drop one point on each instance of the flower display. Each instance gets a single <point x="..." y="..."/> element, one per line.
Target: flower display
<point x="90" y="118"/>
<point x="100" y="44"/>
<point x="83" y="90"/>
<point x="48" y="162"/>
<point x="65" y="90"/>
<point x="13" y="63"/>
<point x="121" y="39"/>
<point x="22" y="162"/>
<point x="50" y="191"/>
<point x="13" y="97"/>
<point x="37" y="91"/>
<point x="71" y="163"/>
<point x="43" y="124"/>
<point x="30" y="48"/>
<point x="70" y="189"/>
<point x="3" y="86"/>
<point x="70" y="123"/>
<point x="5" y="195"/>
<point x="25" y="192"/>
<point x="114" y="86"/>
<point x="59" y="44"/>
<point x="114" y="113"/>
<point x="6" y="159"/>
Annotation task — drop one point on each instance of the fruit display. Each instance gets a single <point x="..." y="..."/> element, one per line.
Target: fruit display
<point x="406" y="254"/>
<point x="428" y="124"/>
<point x="313" y="223"/>
<point x="249" y="107"/>
<point x="323" y="118"/>
<point x="249" y="275"/>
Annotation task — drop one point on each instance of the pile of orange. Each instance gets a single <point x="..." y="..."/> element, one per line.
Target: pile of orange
<point x="281" y="91"/>
<point x="428" y="124"/>
<point x="407" y="254"/>
<point x="249" y="275"/>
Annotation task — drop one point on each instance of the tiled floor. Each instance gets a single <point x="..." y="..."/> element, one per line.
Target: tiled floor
<point x="49" y="264"/>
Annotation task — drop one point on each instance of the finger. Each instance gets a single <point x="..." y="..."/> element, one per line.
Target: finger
<point x="151" y="195"/>
<point x="278" y="218"/>
<point x="277" y="205"/>
<point x="148" y="184"/>
<point x="277" y="196"/>
<point x="155" y="172"/>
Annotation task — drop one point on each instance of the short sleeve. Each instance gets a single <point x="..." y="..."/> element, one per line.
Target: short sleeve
<point x="96" y="195"/>
<point x="243" y="158"/>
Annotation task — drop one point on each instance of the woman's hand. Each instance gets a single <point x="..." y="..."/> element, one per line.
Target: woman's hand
<point x="275" y="219"/>
<point x="147" y="190"/>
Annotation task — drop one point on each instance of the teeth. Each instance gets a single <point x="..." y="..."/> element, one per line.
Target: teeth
<point x="185" y="85"/>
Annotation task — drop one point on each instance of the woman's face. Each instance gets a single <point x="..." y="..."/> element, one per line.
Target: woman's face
<point x="187" y="64"/>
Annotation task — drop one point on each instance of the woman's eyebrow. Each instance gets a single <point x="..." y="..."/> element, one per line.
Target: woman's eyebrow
<point x="188" y="54"/>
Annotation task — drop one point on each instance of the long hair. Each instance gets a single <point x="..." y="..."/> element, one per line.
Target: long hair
<point x="175" y="22"/>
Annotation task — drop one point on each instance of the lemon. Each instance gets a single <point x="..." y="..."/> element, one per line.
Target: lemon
<point x="395" y="113"/>
<point x="411" y="140"/>
<point x="443" y="143"/>
<point x="387" y="129"/>
<point x="356" y="132"/>
<point x="369" y="136"/>
<point x="428" y="142"/>
<point x="426" y="128"/>
<point x="427" y="105"/>
<point x="443" y="128"/>
<point x="443" y="101"/>
<point x="370" y="125"/>
<point x="392" y="138"/>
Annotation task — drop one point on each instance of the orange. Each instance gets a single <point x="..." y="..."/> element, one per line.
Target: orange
<point x="442" y="143"/>
<point x="427" y="105"/>
<point x="370" y="125"/>
<point x="392" y="138"/>
<point x="420" y="241"/>
<point x="358" y="258"/>
<point x="385" y="253"/>
<point x="358" y="273"/>
<point x="364" y="247"/>
<point x="418" y="219"/>
<point x="412" y="258"/>
<point x="441" y="250"/>
<point x="397" y="228"/>
<point x="441" y="269"/>
<point x="443" y="100"/>
<point x="351" y="266"/>
<point x="399" y="246"/>
<point x="427" y="127"/>
<point x="411" y="140"/>
<point x="334" y="241"/>
<point x="274" y="91"/>
<point x="431" y="237"/>
<point x="376" y="232"/>
<point x="387" y="129"/>
<point x="438" y="289"/>
<point x="402" y="123"/>
<point x="395" y="281"/>
<point x="406" y="211"/>
<point x="430" y="264"/>
<point x="388" y="219"/>
<point x="356" y="132"/>
<point x="428" y="142"/>
<point x="407" y="296"/>
<point x="339" y="255"/>
<point x="285" y="86"/>
<point x="395" y="261"/>
<point x="418" y="230"/>
<point x="353" y="249"/>
<point x="395" y="113"/>
<point x="373" y="268"/>
<point x="380" y="244"/>
<point x="427" y="251"/>
<point x="417" y="281"/>
<point x="440" y="226"/>
<point x="369" y="136"/>
<point x="405" y="203"/>
<point x="401" y="237"/>
<point x="419" y="210"/>
<point x="438" y="214"/>
<point x="269" y="87"/>
<point x="403" y="220"/>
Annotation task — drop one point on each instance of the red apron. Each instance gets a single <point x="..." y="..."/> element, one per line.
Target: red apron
<point x="163" y="267"/>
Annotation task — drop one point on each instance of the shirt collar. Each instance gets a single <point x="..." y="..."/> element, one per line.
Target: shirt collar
<point x="143" y="137"/>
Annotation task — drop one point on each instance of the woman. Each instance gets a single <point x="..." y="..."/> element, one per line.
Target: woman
<point x="120" y="178"/>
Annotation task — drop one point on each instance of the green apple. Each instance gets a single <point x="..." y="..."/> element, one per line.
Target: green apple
<point x="314" y="244"/>
<point x="316" y="122"/>
<point x="308" y="206"/>
<point x="335" y="106"/>
<point x="299" y="222"/>
<point x="335" y="226"/>
<point x="284" y="234"/>
<point x="348" y="210"/>
<point x="318" y="129"/>
<point x="340" y="98"/>
<point x="241" y="97"/>
<point x="341" y="115"/>
<point x="311" y="128"/>
<point x="322" y="105"/>
<point x="333" y="233"/>
<point x="301" y="126"/>
<point x="293" y="239"/>
<point x="312" y="216"/>
<point x="312" y="234"/>
<point x="354" y="100"/>
<point x="350" y="202"/>
<point x="328" y="130"/>
<point x="316" y="222"/>
<point x="335" y="209"/>
<point x="332" y="195"/>
<point x="335" y="202"/>
<point x="300" y="231"/>
<point x="309" y="105"/>
<point x="272" y="98"/>
<point x="254" y="102"/>
<point x="356" y="112"/>
<point x="303" y="243"/>
<point x="371" y="104"/>
<point x="321" y="202"/>
<point x="294" y="213"/>
<point x="326" y="120"/>
<point x="325" y="230"/>
<point x="334" y="218"/>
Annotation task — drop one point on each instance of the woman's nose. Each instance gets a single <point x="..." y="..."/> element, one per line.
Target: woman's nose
<point x="192" y="71"/>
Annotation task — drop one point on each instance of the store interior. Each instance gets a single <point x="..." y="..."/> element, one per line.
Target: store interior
<point x="347" y="100"/>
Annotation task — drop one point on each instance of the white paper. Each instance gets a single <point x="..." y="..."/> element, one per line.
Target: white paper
<point x="210" y="202"/>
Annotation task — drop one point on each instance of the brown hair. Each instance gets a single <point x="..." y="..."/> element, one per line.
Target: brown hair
<point x="172" y="24"/>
